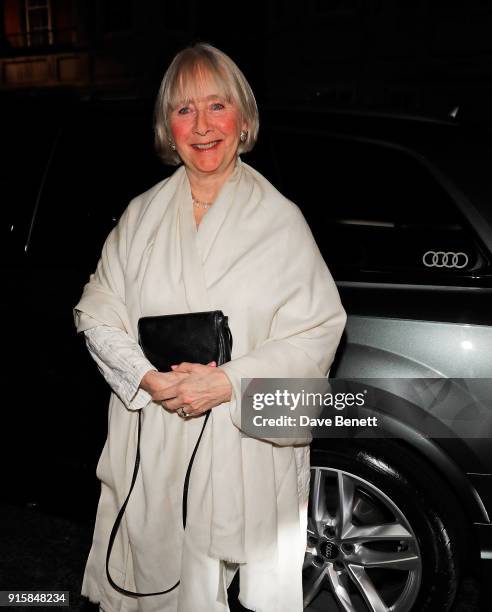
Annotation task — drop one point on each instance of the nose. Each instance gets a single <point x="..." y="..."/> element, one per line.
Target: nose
<point x="201" y="122"/>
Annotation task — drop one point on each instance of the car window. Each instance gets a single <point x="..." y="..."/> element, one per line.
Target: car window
<point x="101" y="162"/>
<point x="375" y="210"/>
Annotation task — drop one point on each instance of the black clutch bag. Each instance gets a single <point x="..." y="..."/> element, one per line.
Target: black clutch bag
<point x="197" y="337"/>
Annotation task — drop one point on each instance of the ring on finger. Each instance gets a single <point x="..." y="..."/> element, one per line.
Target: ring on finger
<point x="182" y="413"/>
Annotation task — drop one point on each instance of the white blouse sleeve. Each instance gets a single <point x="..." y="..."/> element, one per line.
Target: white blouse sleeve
<point x="122" y="363"/>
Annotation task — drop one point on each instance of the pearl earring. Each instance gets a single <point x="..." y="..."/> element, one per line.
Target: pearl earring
<point x="172" y="145"/>
<point x="243" y="135"/>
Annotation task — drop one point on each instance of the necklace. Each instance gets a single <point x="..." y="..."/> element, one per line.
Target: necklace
<point x="198" y="204"/>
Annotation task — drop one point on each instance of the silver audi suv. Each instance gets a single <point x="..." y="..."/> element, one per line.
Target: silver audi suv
<point x="401" y="208"/>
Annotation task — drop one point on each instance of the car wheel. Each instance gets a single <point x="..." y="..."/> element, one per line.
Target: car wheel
<point x="385" y="534"/>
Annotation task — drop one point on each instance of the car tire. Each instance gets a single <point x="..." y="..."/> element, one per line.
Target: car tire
<point x="396" y="543"/>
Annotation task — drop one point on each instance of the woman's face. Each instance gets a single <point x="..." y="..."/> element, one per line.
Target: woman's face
<point x="206" y="130"/>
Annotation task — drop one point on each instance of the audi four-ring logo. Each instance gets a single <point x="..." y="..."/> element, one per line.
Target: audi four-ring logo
<point x="445" y="259"/>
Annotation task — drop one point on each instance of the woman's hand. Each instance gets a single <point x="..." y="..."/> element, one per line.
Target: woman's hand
<point x="203" y="387"/>
<point x="155" y="382"/>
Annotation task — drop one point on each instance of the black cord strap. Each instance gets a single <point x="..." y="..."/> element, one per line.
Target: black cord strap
<point x="117" y="522"/>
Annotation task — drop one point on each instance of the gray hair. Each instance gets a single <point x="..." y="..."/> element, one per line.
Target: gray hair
<point x="187" y="69"/>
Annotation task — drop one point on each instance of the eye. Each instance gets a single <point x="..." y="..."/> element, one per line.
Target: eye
<point x="183" y="110"/>
<point x="217" y="106"/>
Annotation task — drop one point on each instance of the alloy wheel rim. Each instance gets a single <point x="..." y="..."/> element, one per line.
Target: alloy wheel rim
<point x="360" y="546"/>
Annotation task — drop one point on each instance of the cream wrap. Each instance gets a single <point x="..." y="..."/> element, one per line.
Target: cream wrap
<point x="254" y="258"/>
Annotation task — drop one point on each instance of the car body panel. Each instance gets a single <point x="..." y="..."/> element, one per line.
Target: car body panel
<point x="416" y="349"/>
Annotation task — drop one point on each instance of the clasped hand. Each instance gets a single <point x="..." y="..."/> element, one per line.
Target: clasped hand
<point x="193" y="387"/>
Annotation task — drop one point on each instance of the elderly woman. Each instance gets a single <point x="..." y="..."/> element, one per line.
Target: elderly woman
<point x="214" y="235"/>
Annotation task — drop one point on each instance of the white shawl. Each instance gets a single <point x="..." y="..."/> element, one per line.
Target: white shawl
<point x="254" y="258"/>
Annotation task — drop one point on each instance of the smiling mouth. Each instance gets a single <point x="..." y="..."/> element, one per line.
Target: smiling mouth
<point x="206" y="146"/>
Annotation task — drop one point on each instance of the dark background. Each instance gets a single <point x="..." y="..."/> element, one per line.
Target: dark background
<point x="416" y="56"/>
<point x="419" y="57"/>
